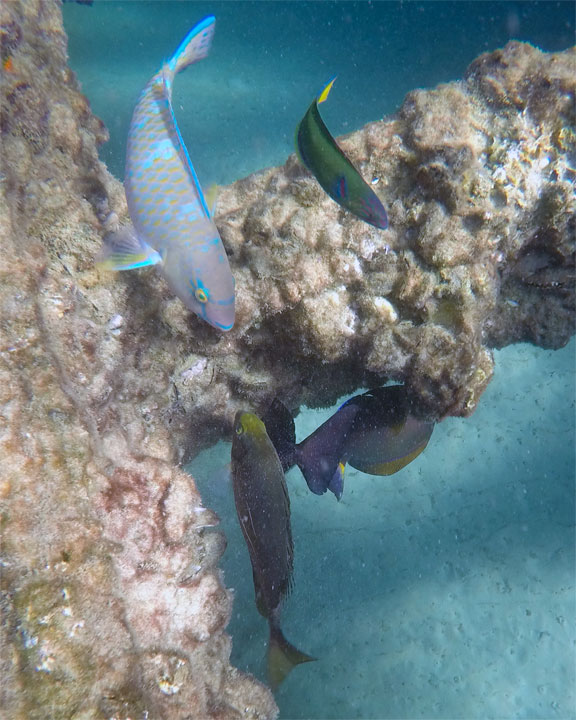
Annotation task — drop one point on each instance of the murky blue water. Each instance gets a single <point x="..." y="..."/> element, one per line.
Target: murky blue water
<point x="446" y="590"/>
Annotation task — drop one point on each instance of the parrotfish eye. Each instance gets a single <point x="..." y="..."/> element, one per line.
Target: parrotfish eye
<point x="239" y="429"/>
<point x="201" y="295"/>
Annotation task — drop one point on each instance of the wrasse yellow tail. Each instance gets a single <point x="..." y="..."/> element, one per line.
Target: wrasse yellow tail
<point x="282" y="657"/>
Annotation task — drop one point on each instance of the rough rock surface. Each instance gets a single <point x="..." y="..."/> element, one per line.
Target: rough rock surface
<point x="112" y="606"/>
<point x="478" y="177"/>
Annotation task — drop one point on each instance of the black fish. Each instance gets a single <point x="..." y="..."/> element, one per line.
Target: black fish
<point x="374" y="432"/>
<point x="263" y="509"/>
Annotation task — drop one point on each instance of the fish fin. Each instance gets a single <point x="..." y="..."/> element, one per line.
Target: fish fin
<point x="282" y="656"/>
<point x="212" y="198"/>
<point x="123" y="250"/>
<point x="282" y="433"/>
<point x="167" y="75"/>
<point x="336" y="484"/>
<point x="195" y="46"/>
<point x="326" y="90"/>
<point x="259" y="597"/>
<point x="392" y="466"/>
<point x="341" y="188"/>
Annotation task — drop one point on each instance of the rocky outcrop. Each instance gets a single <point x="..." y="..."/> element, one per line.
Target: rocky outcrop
<point x="112" y="602"/>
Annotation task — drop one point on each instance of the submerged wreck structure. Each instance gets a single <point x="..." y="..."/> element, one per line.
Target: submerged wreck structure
<point x="112" y="602"/>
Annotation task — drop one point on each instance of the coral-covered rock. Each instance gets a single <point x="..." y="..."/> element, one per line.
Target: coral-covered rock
<point x="112" y="602"/>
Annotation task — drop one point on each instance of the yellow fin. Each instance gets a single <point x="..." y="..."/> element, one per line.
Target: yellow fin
<point x="392" y="466"/>
<point x="211" y="197"/>
<point x="282" y="657"/>
<point x="326" y="90"/>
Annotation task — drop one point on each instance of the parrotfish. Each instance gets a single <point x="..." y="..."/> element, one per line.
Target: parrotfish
<point x="263" y="509"/>
<point x="319" y="152"/>
<point x="374" y="432"/>
<point x="172" y="226"/>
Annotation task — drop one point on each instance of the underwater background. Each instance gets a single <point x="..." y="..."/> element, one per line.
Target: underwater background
<point x="446" y="590"/>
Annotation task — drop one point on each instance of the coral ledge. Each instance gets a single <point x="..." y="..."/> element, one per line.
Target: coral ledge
<point x="112" y="602"/>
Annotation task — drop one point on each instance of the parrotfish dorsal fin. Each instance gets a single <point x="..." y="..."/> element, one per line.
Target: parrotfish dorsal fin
<point x="167" y="75"/>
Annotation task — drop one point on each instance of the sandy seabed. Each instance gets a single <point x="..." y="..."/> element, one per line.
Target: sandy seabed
<point x="446" y="590"/>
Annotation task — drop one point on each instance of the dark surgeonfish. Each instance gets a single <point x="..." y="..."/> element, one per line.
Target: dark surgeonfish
<point x="319" y="152"/>
<point x="374" y="432"/>
<point x="263" y="508"/>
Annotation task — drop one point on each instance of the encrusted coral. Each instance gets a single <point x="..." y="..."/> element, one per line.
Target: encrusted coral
<point x="112" y="604"/>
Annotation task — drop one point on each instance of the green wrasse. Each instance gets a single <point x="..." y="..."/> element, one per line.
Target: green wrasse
<point x="318" y="150"/>
<point x="263" y="509"/>
<point x="375" y="432"/>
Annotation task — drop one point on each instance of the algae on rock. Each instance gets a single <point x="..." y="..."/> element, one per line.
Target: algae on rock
<point x="112" y="604"/>
<point x="101" y="616"/>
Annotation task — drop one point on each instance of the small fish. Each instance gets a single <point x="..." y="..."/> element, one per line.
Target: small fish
<point x="319" y="152"/>
<point x="172" y="225"/>
<point x="374" y="432"/>
<point x="263" y="509"/>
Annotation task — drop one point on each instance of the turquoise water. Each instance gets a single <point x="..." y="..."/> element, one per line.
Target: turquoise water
<point x="447" y="590"/>
<point x="444" y="591"/>
<point x="238" y="109"/>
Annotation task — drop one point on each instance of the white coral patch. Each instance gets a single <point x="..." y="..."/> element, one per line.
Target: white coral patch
<point x="367" y="247"/>
<point x="385" y="309"/>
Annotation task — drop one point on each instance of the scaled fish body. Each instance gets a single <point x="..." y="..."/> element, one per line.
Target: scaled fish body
<point x="172" y="226"/>
<point x="319" y="152"/>
<point x="374" y="432"/>
<point x="263" y="509"/>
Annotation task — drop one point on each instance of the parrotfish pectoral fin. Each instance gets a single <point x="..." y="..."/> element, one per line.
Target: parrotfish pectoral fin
<point x="282" y="657"/>
<point x="326" y="90"/>
<point x="123" y="250"/>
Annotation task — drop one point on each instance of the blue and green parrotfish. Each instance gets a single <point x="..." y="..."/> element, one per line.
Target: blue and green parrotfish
<point x="319" y="152"/>
<point x="263" y="509"/>
<point x="171" y="223"/>
<point x="375" y="432"/>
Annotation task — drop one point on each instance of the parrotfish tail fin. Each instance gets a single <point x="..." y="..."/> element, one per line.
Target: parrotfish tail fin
<point x="123" y="250"/>
<point x="282" y="656"/>
<point x="326" y="90"/>
<point x="282" y="433"/>
<point x="336" y="484"/>
<point x="195" y="46"/>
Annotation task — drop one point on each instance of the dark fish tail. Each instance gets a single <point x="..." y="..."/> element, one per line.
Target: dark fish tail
<point x="282" y="656"/>
<point x="282" y="432"/>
